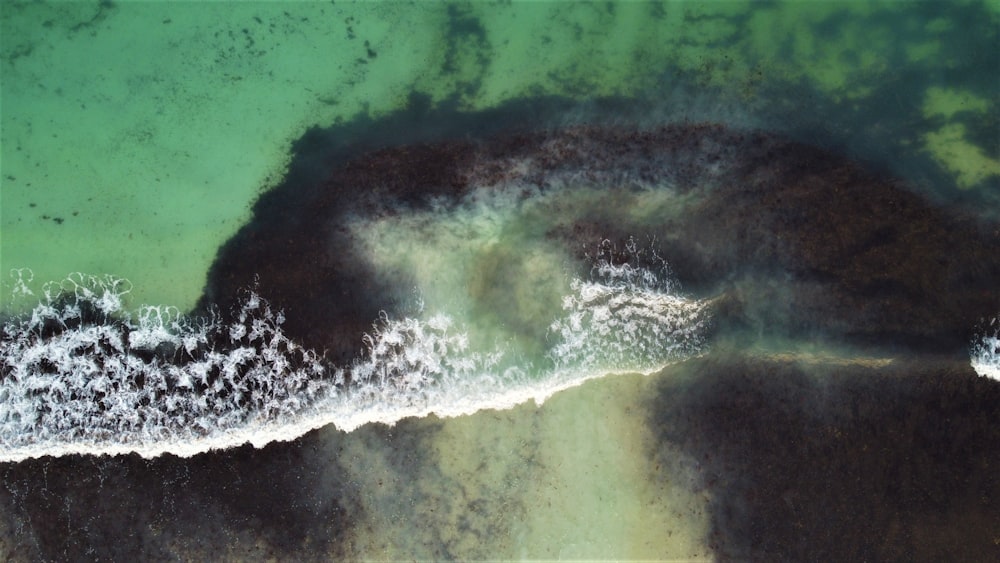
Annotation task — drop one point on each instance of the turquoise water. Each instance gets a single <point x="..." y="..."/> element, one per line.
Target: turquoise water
<point x="486" y="413"/>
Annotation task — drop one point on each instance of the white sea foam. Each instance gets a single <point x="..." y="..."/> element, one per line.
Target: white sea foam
<point x="626" y="317"/>
<point x="80" y="374"/>
<point x="986" y="352"/>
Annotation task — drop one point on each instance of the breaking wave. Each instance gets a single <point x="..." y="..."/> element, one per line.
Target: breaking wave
<point x="986" y="351"/>
<point x="81" y="374"/>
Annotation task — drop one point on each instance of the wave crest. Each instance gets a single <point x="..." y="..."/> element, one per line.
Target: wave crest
<point x="986" y="351"/>
<point x="80" y="374"/>
<point x="79" y="369"/>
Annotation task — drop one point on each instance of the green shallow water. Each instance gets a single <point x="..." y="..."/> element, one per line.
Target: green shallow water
<point x="149" y="128"/>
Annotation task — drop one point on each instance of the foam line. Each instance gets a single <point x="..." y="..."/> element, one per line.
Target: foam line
<point x="986" y="352"/>
<point x="80" y="374"/>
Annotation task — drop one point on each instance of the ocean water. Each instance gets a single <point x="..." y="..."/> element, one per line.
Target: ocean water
<point x="668" y="281"/>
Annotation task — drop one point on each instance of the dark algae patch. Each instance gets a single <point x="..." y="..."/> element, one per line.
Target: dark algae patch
<point x="800" y="242"/>
<point x="838" y="461"/>
<point x="283" y="502"/>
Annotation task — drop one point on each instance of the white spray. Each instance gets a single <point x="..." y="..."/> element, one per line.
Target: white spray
<point x="79" y="374"/>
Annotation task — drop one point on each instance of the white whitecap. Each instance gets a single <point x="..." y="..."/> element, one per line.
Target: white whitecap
<point x="986" y="352"/>
<point x="80" y="374"/>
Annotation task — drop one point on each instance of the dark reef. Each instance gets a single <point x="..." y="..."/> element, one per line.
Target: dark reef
<point x="838" y="462"/>
<point x="803" y="241"/>
<point x="282" y="502"/>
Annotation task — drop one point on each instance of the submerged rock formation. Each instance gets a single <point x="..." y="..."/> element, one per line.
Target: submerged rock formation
<point x="801" y="241"/>
<point x="832" y="459"/>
